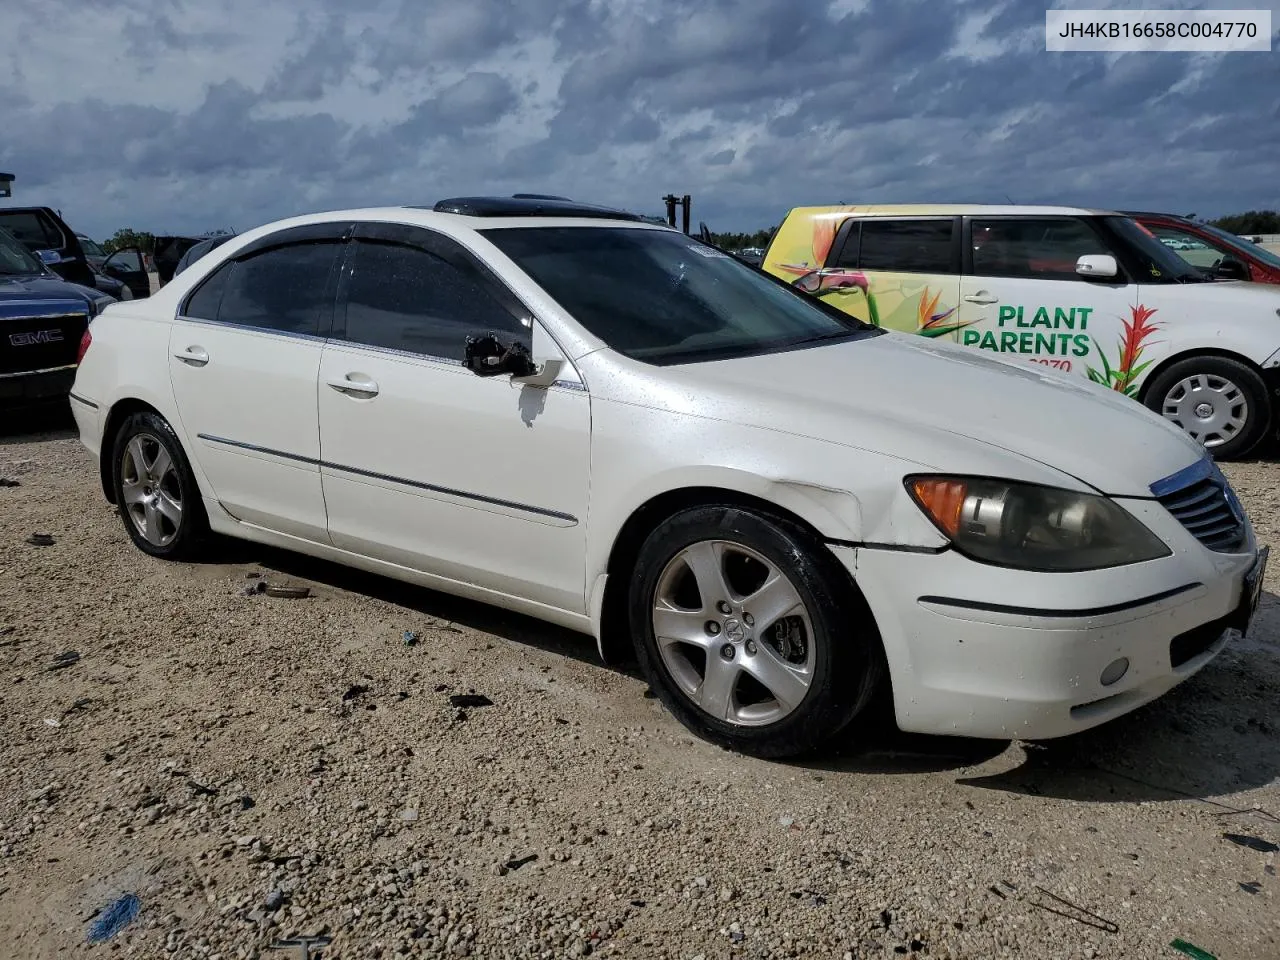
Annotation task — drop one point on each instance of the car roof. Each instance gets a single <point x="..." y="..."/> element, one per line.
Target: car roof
<point x="952" y="209"/>
<point x="471" y="214"/>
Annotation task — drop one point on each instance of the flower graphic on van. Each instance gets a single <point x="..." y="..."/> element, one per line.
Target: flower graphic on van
<point x="931" y="323"/>
<point x="1137" y="332"/>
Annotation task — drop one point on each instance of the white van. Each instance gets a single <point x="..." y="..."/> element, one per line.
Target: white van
<point x="1090" y="293"/>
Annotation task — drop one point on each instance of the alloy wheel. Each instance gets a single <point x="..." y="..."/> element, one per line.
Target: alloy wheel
<point x="733" y="633"/>
<point x="151" y="489"/>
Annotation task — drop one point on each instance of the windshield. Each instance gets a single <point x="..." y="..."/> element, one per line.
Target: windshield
<point x="1159" y="263"/>
<point x="15" y="258"/>
<point x="660" y="297"/>
<point x="1243" y="245"/>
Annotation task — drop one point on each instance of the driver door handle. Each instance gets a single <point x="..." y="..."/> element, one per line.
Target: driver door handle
<point x="981" y="297"/>
<point x="196" y="356"/>
<point x="355" y="385"/>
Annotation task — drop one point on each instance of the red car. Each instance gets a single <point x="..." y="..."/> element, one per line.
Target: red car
<point x="1221" y="255"/>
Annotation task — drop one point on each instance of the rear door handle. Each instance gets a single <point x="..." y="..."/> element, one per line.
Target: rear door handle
<point x="196" y="356"/>
<point x="355" y="385"/>
<point x="981" y="297"/>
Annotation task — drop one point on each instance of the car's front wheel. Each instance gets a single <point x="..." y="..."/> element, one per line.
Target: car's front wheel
<point x="1219" y="401"/>
<point x="155" y="490"/>
<point x="750" y="632"/>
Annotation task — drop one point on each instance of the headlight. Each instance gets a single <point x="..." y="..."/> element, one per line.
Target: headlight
<point x="1032" y="527"/>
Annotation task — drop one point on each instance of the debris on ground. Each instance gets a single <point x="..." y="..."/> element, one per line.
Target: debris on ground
<point x="63" y="660"/>
<point x="353" y="691"/>
<point x="253" y="589"/>
<point x="1081" y="915"/>
<point x="1253" y="843"/>
<point x="1191" y="950"/>
<point x="6" y="482"/>
<point x="41" y="540"/>
<point x="114" y="918"/>
<point x="289" y="593"/>
<point x="517" y="864"/>
<point x="410" y="638"/>
<point x="472" y="699"/>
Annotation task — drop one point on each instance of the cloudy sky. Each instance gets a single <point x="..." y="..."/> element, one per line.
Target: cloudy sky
<point x="169" y="115"/>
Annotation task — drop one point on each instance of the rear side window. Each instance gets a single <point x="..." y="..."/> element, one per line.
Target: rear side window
<point x="32" y="230"/>
<point x="401" y="297"/>
<point x="900" y="246"/>
<point x="282" y="289"/>
<point x="1032" y="249"/>
<point x="204" y="303"/>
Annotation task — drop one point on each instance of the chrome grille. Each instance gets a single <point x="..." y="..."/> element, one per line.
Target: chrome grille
<point x="1202" y="501"/>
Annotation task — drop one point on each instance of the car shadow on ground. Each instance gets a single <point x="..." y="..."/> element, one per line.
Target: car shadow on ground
<point x="19" y="425"/>
<point x="515" y="627"/>
<point x="1212" y="736"/>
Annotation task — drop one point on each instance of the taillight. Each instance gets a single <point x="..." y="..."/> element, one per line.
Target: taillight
<point x="84" y="346"/>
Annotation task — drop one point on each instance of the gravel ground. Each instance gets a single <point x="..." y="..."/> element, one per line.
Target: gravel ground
<point x="256" y="768"/>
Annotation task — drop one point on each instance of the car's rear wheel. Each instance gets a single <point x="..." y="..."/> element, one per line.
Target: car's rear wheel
<point x="750" y="631"/>
<point x="155" y="490"/>
<point x="1220" y="402"/>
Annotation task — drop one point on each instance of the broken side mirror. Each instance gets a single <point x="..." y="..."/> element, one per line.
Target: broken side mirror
<point x="485" y="356"/>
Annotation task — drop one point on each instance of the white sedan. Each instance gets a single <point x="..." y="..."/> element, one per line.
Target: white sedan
<point x="573" y="413"/>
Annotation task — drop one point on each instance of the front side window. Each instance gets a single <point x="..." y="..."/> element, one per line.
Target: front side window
<point x="902" y="246"/>
<point x="403" y="297"/>
<point x="90" y="247"/>
<point x="282" y="288"/>
<point x="659" y="297"/>
<point x="1032" y="249"/>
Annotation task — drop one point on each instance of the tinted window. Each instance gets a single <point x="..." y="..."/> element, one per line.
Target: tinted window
<point x="128" y="260"/>
<point x="204" y="303"/>
<point x="1032" y="249"/>
<point x="660" y="297"/>
<point x="404" y="298"/>
<point x="15" y="258"/>
<point x="280" y="289"/>
<point x="906" y="246"/>
<point x="31" y="229"/>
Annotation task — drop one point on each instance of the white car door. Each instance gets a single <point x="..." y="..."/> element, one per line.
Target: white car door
<point x="244" y="357"/>
<point x="429" y="465"/>
<point x="1022" y="299"/>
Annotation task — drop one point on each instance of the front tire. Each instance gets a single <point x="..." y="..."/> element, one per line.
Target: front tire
<point x="155" y="490"/>
<point x="750" y="632"/>
<point x="1220" y="402"/>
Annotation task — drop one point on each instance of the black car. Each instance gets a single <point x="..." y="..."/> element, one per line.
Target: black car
<point x="199" y="250"/>
<point x="42" y="321"/>
<point x="43" y="232"/>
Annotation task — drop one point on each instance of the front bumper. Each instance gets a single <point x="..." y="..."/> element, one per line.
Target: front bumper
<point x="982" y="651"/>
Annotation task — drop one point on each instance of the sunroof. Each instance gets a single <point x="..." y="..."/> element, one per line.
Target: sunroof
<point x="528" y="205"/>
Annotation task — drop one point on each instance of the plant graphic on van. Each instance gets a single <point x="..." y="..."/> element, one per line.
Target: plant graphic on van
<point x="813" y="279"/>
<point x="930" y="323"/>
<point x="1137" y="332"/>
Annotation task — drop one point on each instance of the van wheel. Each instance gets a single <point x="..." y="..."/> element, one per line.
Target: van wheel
<point x="750" y="632"/>
<point x="1220" y="402"/>
<point x="155" y="490"/>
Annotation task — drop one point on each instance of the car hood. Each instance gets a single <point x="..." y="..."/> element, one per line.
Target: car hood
<point x="36" y="287"/>
<point x="1244" y="299"/>
<point x="909" y="397"/>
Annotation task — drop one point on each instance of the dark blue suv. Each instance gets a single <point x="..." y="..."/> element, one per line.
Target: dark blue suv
<point x="42" y="320"/>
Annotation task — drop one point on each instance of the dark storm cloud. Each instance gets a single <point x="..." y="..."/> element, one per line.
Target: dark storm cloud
<point x="751" y="108"/>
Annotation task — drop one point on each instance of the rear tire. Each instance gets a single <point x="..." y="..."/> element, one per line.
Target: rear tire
<point x="1222" y="403"/>
<point x="777" y="682"/>
<point x="155" y="490"/>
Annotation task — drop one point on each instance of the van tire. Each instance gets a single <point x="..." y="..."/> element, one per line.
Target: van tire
<point x="1220" y="402"/>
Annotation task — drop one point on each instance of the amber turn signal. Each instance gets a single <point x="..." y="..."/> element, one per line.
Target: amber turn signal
<point x="942" y="498"/>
